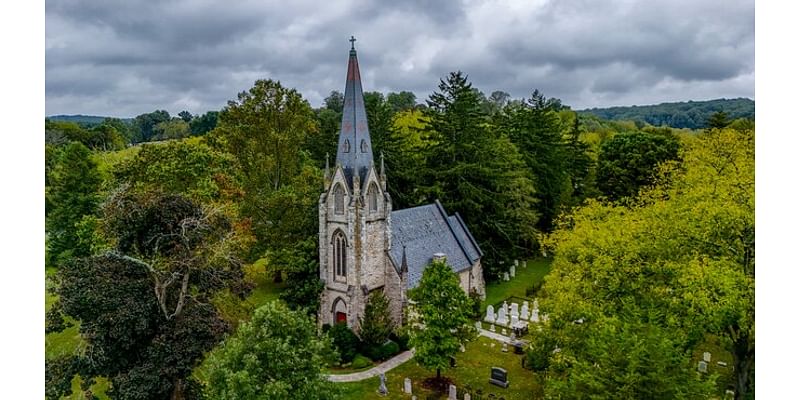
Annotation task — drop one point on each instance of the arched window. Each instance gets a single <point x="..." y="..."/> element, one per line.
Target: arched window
<point x="364" y="146"/>
<point x="372" y="197"/>
<point x="346" y="146"/>
<point x="338" y="199"/>
<point x="339" y="255"/>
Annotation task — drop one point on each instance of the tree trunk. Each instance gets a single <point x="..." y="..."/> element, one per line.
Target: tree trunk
<point x="438" y="373"/>
<point x="177" y="390"/>
<point x="743" y="358"/>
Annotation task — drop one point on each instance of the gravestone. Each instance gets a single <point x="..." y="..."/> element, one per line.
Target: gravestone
<point x="382" y="388"/>
<point x="490" y="317"/>
<point x="707" y="357"/>
<point x="525" y="312"/>
<point x="452" y="394"/>
<point x="478" y="325"/>
<point x="514" y="321"/>
<point x="467" y="396"/>
<point x="515" y="309"/>
<point x="505" y="277"/>
<point x="722" y="363"/>
<point x="499" y="377"/>
<point x="512" y="271"/>
<point x="502" y="315"/>
<point x="702" y="366"/>
<point x="535" y="315"/>
<point x="407" y="385"/>
<point x="505" y="347"/>
<point x="519" y="347"/>
<point x="491" y="328"/>
<point x="516" y="263"/>
<point x="524" y="263"/>
<point x="503" y="331"/>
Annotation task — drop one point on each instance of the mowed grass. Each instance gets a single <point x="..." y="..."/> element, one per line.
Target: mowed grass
<point x="472" y="368"/>
<point x="525" y="278"/>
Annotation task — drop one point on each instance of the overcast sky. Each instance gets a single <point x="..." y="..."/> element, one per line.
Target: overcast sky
<point x="124" y="58"/>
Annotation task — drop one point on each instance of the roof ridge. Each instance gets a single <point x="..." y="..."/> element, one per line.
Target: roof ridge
<point x="452" y="230"/>
<point x="469" y="234"/>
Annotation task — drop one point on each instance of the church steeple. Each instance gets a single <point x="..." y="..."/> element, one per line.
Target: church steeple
<point x="354" y="153"/>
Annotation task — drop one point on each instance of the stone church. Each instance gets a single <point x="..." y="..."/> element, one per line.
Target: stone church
<point x="366" y="246"/>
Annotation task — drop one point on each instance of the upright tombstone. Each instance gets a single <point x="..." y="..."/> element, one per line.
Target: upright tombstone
<point x="513" y="270"/>
<point x="524" y="263"/>
<point x="514" y="321"/>
<point x="535" y="315"/>
<point x="505" y="277"/>
<point x="490" y="317"/>
<point x="478" y="325"/>
<point x="467" y="396"/>
<point x="524" y="314"/>
<point x="382" y="388"/>
<point x="407" y="385"/>
<point x="502" y="316"/>
<point x="707" y="357"/>
<point x="702" y="366"/>
<point x="499" y="377"/>
<point x="515" y="309"/>
<point x="516" y="263"/>
<point x="491" y="328"/>
<point x="453" y="393"/>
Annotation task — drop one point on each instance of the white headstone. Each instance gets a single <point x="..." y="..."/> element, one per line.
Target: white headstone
<point x="491" y="328"/>
<point x="515" y="309"/>
<point x="516" y="263"/>
<point x="524" y="263"/>
<point x="524" y="313"/>
<point x="478" y="325"/>
<point x="514" y="320"/>
<point x="505" y="347"/>
<point x="407" y="385"/>
<point x="452" y="394"/>
<point x="702" y="366"/>
<point x="502" y="316"/>
<point x="503" y="331"/>
<point x="707" y="357"/>
<point x="467" y="396"/>
<point x="490" y="317"/>
<point x="505" y="277"/>
<point x="513" y="270"/>
<point x="535" y="315"/>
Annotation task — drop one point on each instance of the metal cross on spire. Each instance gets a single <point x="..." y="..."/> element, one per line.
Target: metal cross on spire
<point x="352" y="43"/>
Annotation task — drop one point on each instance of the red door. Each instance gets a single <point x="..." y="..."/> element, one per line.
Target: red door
<point x="341" y="317"/>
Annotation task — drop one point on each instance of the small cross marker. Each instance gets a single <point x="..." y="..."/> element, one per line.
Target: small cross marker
<point x="352" y="43"/>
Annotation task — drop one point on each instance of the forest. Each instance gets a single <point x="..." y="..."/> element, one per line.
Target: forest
<point x="159" y="228"/>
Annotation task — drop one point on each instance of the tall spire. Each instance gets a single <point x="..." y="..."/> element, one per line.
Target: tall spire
<point x="355" y="148"/>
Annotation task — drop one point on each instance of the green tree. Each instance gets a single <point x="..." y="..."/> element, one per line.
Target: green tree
<point x="535" y="128"/>
<point x="401" y="101"/>
<point x="144" y="125"/>
<point x="335" y="101"/>
<point x="276" y="355"/>
<point x="202" y="124"/>
<point x="73" y="193"/>
<point x="145" y="308"/>
<point x="376" y="323"/>
<point x="476" y="170"/>
<point x="650" y="280"/>
<point x="173" y="129"/>
<point x="442" y="323"/>
<point x="718" y="120"/>
<point x="627" y="162"/>
<point x="185" y="116"/>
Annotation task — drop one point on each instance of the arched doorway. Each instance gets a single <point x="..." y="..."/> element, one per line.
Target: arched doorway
<point x="339" y="311"/>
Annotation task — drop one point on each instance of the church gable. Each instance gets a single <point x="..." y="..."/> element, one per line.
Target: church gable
<point x="424" y="231"/>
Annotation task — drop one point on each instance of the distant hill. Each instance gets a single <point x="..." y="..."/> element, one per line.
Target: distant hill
<point x="84" y="119"/>
<point x="687" y="114"/>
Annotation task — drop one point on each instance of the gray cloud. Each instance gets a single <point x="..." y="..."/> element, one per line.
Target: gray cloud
<point x="125" y="58"/>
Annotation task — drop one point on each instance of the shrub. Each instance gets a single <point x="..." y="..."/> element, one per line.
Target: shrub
<point x="401" y="338"/>
<point x="383" y="352"/>
<point x="476" y="303"/>
<point x="360" y="362"/>
<point x="345" y="340"/>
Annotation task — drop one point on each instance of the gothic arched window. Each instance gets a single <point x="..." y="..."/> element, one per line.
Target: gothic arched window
<point x="364" y="146"/>
<point x="339" y="255"/>
<point x="338" y="199"/>
<point x="346" y="146"/>
<point x="372" y="197"/>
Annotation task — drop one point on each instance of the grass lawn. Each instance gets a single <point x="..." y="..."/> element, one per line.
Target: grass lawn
<point x="472" y="367"/>
<point x="525" y="277"/>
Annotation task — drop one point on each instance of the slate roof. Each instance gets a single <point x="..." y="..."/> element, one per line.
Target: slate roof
<point x="354" y="150"/>
<point x="426" y="230"/>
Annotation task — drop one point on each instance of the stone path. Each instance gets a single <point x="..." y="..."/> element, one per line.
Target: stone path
<point x="374" y="371"/>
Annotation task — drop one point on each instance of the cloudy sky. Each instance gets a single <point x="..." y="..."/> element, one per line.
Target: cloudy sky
<point x="123" y="57"/>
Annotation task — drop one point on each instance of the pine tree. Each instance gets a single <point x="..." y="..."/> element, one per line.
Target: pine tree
<point x="376" y="324"/>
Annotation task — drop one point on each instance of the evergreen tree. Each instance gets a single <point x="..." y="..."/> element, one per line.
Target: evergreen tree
<point x="376" y="324"/>
<point x="73" y="194"/>
<point x="476" y="170"/>
<point x="443" y="321"/>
